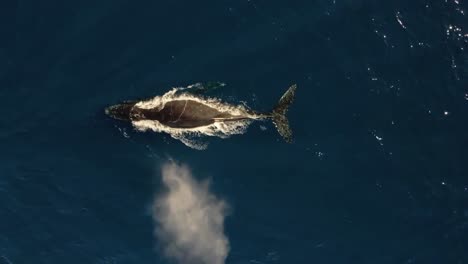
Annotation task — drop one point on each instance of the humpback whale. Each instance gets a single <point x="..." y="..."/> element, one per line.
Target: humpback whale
<point x="182" y="114"/>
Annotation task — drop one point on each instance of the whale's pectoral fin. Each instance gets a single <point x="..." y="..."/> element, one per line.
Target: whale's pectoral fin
<point x="201" y="88"/>
<point x="131" y="101"/>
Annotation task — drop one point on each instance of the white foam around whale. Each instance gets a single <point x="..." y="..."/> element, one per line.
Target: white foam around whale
<point x="191" y="136"/>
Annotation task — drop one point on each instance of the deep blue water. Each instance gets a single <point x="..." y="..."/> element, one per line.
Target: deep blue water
<point x="378" y="172"/>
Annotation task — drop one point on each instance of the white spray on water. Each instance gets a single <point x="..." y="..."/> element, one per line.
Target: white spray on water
<point x="190" y="136"/>
<point x="189" y="219"/>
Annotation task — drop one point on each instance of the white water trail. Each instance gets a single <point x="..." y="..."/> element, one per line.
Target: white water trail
<point x="189" y="219"/>
<point x="189" y="136"/>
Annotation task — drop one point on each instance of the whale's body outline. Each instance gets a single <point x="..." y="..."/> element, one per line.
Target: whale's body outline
<point x="185" y="113"/>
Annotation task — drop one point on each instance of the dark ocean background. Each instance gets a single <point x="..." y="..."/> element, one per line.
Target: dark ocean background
<point x="378" y="171"/>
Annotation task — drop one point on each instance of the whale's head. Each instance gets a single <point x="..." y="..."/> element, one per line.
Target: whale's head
<point x="120" y="111"/>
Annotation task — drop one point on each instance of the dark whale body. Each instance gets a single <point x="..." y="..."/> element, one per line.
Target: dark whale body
<point x="186" y="114"/>
<point x="183" y="114"/>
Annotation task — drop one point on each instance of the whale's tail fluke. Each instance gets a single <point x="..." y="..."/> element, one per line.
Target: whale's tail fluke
<point x="279" y="114"/>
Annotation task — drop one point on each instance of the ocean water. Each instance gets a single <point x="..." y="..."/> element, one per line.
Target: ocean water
<point x="377" y="172"/>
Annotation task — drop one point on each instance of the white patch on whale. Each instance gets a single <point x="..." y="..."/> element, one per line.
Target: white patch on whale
<point x="190" y="136"/>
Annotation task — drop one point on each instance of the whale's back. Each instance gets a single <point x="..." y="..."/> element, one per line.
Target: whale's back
<point x="182" y="114"/>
